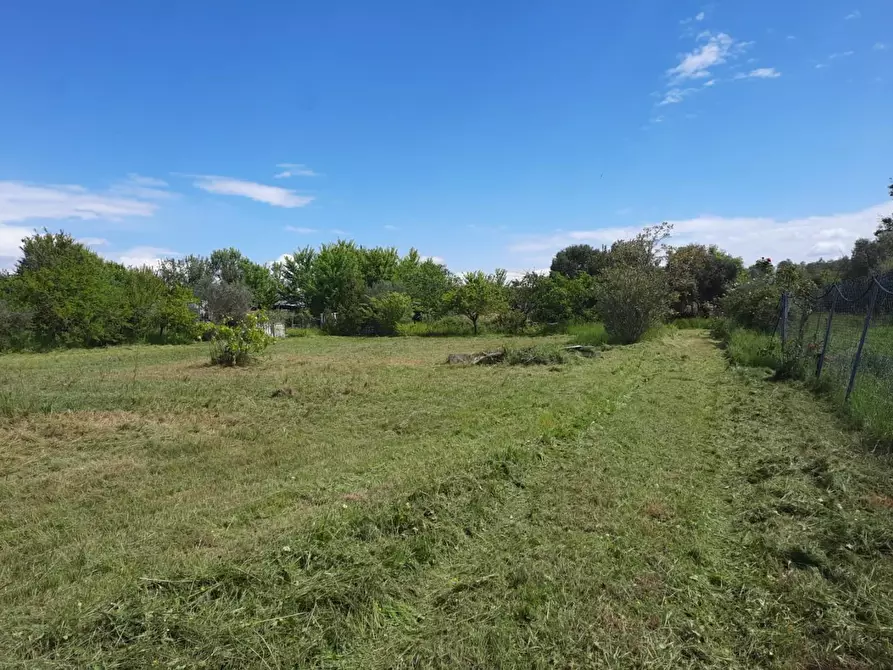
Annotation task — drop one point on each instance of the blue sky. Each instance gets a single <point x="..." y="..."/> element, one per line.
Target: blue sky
<point x="489" y="134"/>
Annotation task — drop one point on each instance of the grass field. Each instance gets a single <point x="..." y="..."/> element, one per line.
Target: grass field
<point x="354" y="503"/>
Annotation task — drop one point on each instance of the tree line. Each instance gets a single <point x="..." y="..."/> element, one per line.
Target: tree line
<point x="61" y="293"/>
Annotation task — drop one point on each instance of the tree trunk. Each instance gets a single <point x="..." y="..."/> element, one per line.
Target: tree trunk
<point x="474" y="323"/>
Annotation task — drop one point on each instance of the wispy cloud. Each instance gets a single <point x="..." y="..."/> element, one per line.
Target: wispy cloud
<point x="272" y="195"/>
<point x="20" y="201"/>
<point x="760" y="73"/>
<point x="843" y="54"/>
<point x="433" y="259"/>
<point x="751" y="237"/>
<point x="294" y="170"/>
<point x="855" y="14"/>
<point x="390" y="227"/>
<point x="791" y="37"/>
<point x="300" y="230"/>
<point x="138" y="186"/>
<point x="338" y="231"/>
<point x="696" y="64"/>
<point x="93" y="241"/>
<point x="677" y="95"/>
<point x="879" y="46"/>
<point x="700" y="16"/>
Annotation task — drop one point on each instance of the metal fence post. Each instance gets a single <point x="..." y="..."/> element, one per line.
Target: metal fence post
<point x="785" y="306"/>
<point x="871" y="301"/>
<point x="818" y="372"/>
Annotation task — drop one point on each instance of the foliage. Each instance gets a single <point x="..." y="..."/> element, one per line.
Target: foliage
<point x="754" y="304"/>
<point x="15" y="328"/>
<point x="302" y="332"/>
<point x="478" y="295"/>
<point x="632" y="299"/>
<point x="447" y="326"/>
<point x="388" y="311"/>
<point x="73" y="295"/>
<point x="510" y="322"/>
<point x="239" y="344"/>
<point x="699" y="276"/>
<point x="225" y="302"/>
<point x="580" y="259"/>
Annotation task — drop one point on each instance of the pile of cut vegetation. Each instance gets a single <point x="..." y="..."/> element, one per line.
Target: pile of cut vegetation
<point x="545" y="354"/>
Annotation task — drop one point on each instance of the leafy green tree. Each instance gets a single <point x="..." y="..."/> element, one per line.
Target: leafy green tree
<point x="389" y="310"/>
<point x="477" y="296"/>
<point x="699" y="276"/>
<point x="74" y="296"/>
<point x="175" y="318"/>
<point x="631" y="299"/>
<point x="338" y="286"/>
<point x="297" y="276"/>
<point x="379" y="264"/>
<point x="426" y="282"/>
<point x="580" y="259"/>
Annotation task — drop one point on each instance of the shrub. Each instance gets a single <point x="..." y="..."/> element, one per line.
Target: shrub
<point x="448" y="326"/>
<point x="754" y="304"/>
<point x="388" y="311"/>
<point x="510" y="322"/>
<point x="631" y="299"/>
<point x="239" y="344"/>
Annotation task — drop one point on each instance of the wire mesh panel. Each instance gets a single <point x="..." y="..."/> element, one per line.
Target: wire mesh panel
<point x="872" y="391"/>
<point x="844" y="336"/>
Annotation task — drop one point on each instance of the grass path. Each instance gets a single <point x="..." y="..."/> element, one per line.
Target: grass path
<point x="652" y="508"/>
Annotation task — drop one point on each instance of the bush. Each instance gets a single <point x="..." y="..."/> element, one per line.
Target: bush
<point x="511" y="322"/>
<point x="754" y="304"/>
<point x="388" y="311"/>
<point x="239" y="344"/>
<point x="448" y="326"/>
<point x="631" y="299"/>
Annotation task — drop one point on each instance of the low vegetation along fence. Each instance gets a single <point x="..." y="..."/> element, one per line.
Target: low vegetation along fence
<point x="843" y="338"/>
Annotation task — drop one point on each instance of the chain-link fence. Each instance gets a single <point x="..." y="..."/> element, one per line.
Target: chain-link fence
<point x="843" y="337"/>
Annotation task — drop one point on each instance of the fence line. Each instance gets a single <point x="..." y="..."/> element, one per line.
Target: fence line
<point x="846" y="332"/>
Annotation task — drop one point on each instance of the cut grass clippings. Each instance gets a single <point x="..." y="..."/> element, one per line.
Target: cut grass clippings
<point x="652" y="508"/>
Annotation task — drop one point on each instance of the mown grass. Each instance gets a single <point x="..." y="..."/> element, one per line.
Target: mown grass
<point x="870" y="407"/>
<point x="356" y="503"/>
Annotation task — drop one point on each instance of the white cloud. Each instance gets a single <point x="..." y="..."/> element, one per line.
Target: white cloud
<point x="338" y="231"/>
<point x="843" y="54"/>
<point x="300" y="230"/>
<point x="800" y="239"/>
<point x="676" y="95"/>
<point x="294" y="170"/>
<point x="819" y="66"/>
<point x="512" y="275"/>
<point x="138" y="257"/>
<point x="699" y="16"/>
<point x="791" y="37"/>
<point x="435" y="259"/>
<point x="855" y="14"/>
<point x="709" y="83"/>
<point x="20" y="202"/>
<point x="272" y="195"/>
<point x="93" y="241"/>
<point x="760" y="73"/>
<point x="390" y="227"/>
<point x="146" y="188"/>
<point x="697" y="64"/>
<point x="10" y="244"/>
<point x="879" y="46"/>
